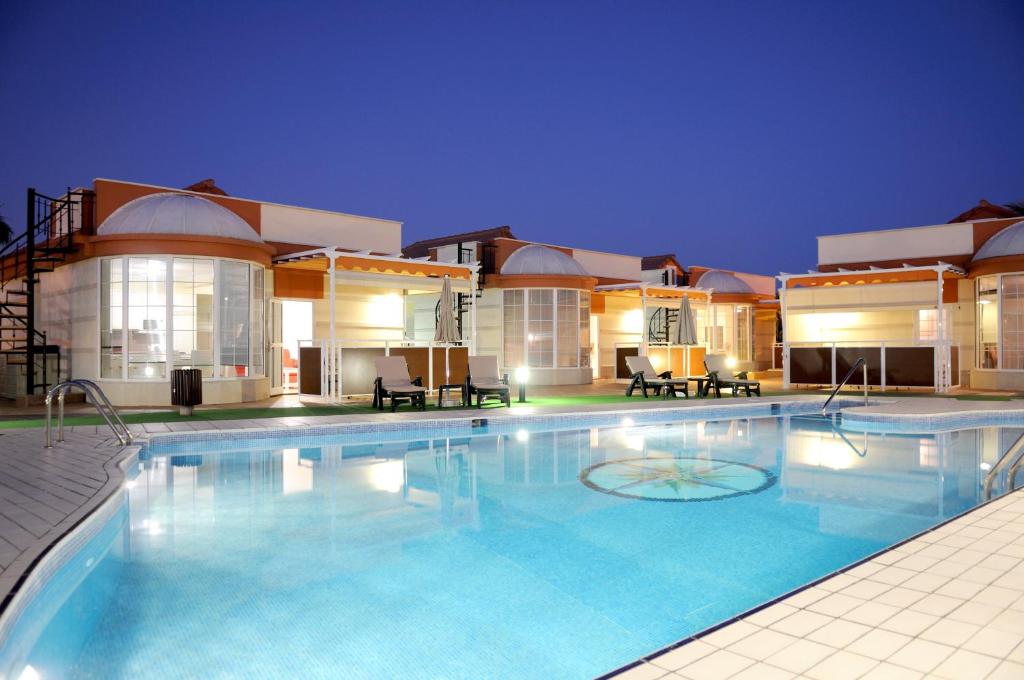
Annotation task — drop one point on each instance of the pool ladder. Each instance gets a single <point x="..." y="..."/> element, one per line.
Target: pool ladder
<point x="98" y="399"/>
<point x="1014" y="457"/>
<point x="859" y="363"/>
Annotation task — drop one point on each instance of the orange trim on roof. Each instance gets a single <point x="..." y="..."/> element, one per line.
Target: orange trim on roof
<point x="370" y="265"/>
<point x="868" y="276"/>
<point x="173" y="244"/>
<point x="541" y="281"/>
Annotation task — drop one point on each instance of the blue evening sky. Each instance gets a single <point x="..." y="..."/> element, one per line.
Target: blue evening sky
<point x="730" y="133"/>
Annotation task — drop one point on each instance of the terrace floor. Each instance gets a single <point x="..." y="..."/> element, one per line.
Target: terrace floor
<point x="949" y="604"/>
<point x="604" y="392"/>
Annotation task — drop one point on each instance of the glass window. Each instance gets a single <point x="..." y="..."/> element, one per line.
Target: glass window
<point x="988" y="322"/>
<point x="721" y="329"/>
<point x="193" y="314"/>
<point x="111" y="319"/>
<point x="147" y="318"/>
<point x="568" y="328"/>
<point x="234" y="319"/>
<point x="258" y="311"/>
<point x="584" y="329"/>
<point x="539" y="334"/>
<point x="1012" y="310"/>
<point x="744" y="334"/>
<point x="514" y="328"/>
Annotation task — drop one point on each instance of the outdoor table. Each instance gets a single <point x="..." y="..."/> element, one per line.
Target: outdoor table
<point x="702" y="391"/>
<point x="445" y="390"/>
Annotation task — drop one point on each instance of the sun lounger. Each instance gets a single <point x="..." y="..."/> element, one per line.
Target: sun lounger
<point x="483" y="381"/>
<point x="720" y="376"/>
<point x="393" y="383"/>
<point x="643" y="375"/>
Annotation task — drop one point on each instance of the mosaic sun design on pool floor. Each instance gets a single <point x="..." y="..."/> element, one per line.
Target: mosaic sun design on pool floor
<point x="677" y="479"/>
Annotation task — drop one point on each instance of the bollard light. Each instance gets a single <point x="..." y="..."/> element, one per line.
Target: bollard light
<point x="522" y="377"/>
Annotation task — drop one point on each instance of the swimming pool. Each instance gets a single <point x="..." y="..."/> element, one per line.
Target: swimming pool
<point x="560" y="549"/>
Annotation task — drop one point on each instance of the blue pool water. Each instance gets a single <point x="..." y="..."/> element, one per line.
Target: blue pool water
<point x="525" y="553"/>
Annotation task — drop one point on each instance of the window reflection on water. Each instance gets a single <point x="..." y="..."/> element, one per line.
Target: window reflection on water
<point x="930" y="476"/>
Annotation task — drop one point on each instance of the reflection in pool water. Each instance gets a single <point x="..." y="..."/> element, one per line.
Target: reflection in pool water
<point x="477" y="556"/>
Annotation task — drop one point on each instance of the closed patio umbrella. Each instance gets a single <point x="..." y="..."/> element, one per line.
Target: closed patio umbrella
<point x="686" y="329"/>
<point x="447" y="325"/>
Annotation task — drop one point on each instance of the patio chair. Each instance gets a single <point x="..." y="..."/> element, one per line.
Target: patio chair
<point x="719" y="376"/>
<point x="643" y="375"/>
<point x="483" y="380"/>
<point x="393" y="383"/>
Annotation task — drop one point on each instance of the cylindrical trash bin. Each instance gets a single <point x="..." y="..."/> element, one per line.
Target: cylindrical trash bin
<point x="186" y="389"/>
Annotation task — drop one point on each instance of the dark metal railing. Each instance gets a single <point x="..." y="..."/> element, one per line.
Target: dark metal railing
<point x="859" y="363"/>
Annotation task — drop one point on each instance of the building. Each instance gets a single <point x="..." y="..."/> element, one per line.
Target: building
<point x="122" y="283"/>
<point x="573" y="315"/>
<point x="933" y="307"/>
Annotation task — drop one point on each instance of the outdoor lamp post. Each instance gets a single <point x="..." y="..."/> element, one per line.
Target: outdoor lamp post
<point x="522" y="376"/>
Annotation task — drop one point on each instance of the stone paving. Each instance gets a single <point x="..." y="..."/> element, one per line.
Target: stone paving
<point x="44" y="493"/>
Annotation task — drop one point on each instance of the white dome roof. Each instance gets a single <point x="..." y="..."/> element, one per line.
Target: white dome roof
<point x="1009" y="241"/>
<point x="722" y="282"/>
<point x="170" y="213"/>
<point x="534" y="259"/>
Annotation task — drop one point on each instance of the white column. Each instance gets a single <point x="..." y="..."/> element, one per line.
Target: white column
<point x="785" y="338"/>
<point x="333" y="333"/>
<point x="472" y="312"/>
<point x="941" y="369"/>
<point x="643" y="322"/>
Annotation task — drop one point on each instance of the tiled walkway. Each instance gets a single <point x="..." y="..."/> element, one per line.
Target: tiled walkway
<point x="949" y="604"/>
<point x="46" y="492"/>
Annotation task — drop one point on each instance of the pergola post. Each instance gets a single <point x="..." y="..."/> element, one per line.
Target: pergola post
<point x="333" y="332"/>
<point x="473" y="282"/>
<point x="941" y="369"/>
<point x="643" y="321"/>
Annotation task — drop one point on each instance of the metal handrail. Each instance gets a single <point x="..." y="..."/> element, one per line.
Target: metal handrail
<point x="100" y="402"/>
<point x="860" y="362"/>
<point x="1011" y="474"/>
<point x="1013" y="452"/>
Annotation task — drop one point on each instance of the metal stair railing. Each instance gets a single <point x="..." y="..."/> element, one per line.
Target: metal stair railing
<point x="1012" y="454"/>
<point x="860" y="362"/>
<point x="99" y="401"/>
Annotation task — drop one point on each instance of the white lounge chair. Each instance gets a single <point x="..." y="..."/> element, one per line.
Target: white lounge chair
<point x="393" y="382"/>
<point x="643" y="375"/>
<point x="484" y="381"/>
<point x="719" y="376"/>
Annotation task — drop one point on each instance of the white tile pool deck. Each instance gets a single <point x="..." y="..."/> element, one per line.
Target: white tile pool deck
<point x="948" y="604"/>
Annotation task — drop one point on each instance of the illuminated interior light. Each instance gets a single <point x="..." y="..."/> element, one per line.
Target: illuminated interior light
<point x="522" y="435"/>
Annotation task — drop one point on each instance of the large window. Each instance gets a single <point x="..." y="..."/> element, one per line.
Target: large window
<point x="162" y="312"/>
<point x="147" y="317"/>
<point x="584" y="329"/>
<point x="546" y="328"/>
<point x="234" y="319"/>
<point x="193" y="314"/>
<point x="540" y="340"/>
<point x="514" y="318"/>
<point x="988" y="322"/>
<point x="568" y="320"/>
<point x="111" y="319"/>
<point x="1000" y="322"/>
